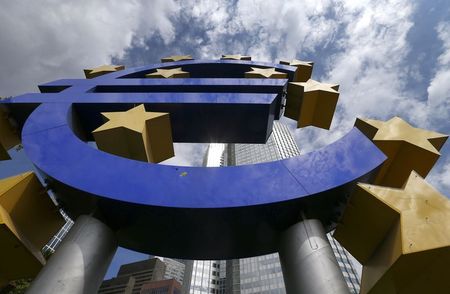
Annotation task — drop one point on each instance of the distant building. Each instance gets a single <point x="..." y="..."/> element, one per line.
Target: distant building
<point x="54" y="242"/>
<point x="208" y="276"/>
<point x="189" y="265"/>
<point x="174" y="269"/>
<point x="162" y="287"/>
<point x="141" y="272"/>
<point x="347" y="267"/>
<point x="118" y="285"/>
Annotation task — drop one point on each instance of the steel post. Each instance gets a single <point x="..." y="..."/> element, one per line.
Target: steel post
<point x="307" y="261"/>
<point x="79" y="264"/>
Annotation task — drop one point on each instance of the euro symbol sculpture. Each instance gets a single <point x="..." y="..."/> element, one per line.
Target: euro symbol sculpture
<point x="246" y="206"/>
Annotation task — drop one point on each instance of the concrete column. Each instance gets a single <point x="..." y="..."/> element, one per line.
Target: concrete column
<point x="80" y="262"/>
<point x="307" y="261"/>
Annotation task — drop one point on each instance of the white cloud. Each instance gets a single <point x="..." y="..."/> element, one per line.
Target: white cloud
<point x="46" y="40"/>
<point x="439" y="88"/>
<point x="371" y="48"/>
<point x="260" y="27"/>
<point x="438" y="106"/>
<point x="440" y="177"/>
<point x="368" y="41"/>
<point x="370" y="69"/>
<point x="367" y="65"/>
<point x="187" y="154"/>
<point x="155" y="17"/>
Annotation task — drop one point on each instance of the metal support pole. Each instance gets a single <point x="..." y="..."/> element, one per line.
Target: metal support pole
<point x="307" y="261"/>
<point x="79" y="264"/>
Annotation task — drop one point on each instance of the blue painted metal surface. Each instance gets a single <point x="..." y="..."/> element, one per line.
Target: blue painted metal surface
<point x="195" y="117"/>
<point x="205" y="69"/>
<point x="216" y="105"/>
<point x="184" y="211"/>
<point x="198" y="85"/>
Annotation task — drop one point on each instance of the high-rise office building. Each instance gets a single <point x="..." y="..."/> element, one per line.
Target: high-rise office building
<point x="175" y="269"/>
<point x="118" y="285"/>
<point x="351" y="276"/>
<point x="51" y="246"/>
<point x="154" y="275"/>
<point x="263" y="274"/>
<point x="162" y="287"/>
<point x="133" y="276"/>
<point x="208" y="277"/>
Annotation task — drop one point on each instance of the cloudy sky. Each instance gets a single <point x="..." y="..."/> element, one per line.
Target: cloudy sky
<point x="389" y="57"/>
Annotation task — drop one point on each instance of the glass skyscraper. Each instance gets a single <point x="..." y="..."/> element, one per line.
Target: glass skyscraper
<point x="347" y="267"/>
<point x="51" y="246"/>
<point x="263" y="274"/>
<point x="208" y="276"/>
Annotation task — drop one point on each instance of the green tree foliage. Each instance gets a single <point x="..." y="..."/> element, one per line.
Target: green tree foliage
<point x="16" y="287"/>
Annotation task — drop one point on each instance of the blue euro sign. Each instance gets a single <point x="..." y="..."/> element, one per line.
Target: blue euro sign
<point x="188" y="212"/>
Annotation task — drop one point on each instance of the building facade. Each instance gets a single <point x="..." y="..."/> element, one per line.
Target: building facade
<point x="118" y="285"/>
<point x="208" y="276"/>
<point x="175" y="269"/>
<point x="51" y="246"/>
<point x="133" y="276"/>
<point x="170" y="286"/>
<point x="348" y="269"/>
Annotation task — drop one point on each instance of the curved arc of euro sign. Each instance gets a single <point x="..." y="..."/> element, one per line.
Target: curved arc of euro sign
<point x="194" y="212"/>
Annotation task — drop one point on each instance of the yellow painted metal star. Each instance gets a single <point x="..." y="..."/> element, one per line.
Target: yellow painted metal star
<point x="311" y="103"/>
<point x="28" y="219"/>
<point x="136" y="134"/>
<point x="401" y="236"/>
<point x="133" y="119"/>
<point x="236" y="57"/>
<point x="168" y="73"/>
<point x="176" y="58"/>
<point x="265" y="73"/>
<point x="407" y="148"/>
<point x="101" y="70"/>
<point x="313" y="85"/>
<point x="304" y="69"/>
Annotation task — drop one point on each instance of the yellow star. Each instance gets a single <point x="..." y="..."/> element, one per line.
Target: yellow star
<point x="407" y="148"/>
<point x="311" y="103"/>
<point x="236" y="57"/>
<point x="401" y="236"/>
<point x="313" y="85"/>
<point x="304" y="69"/>
<point x="28" y="219"/>
<point x="101" y="70"/>
<point x="270" y="73"/>
<point x="168" y="73"/>
<point x="134" y="119"/>
<point x="136" y="134"/>
<point x="176" y="58"/>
